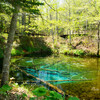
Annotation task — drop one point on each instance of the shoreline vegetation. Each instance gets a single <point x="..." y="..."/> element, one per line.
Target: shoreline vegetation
<point x="43" y="46"/>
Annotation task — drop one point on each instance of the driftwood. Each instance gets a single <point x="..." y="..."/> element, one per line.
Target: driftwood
<point x="46" y="83"/>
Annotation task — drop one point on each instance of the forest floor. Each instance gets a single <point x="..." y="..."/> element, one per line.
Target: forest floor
<point x="17" y="93"/>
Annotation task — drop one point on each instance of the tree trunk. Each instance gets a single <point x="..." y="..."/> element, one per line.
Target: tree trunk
<point x="51" y="32"/>
<point x="69" y="22"/>
<point x="7" y="52"/>
<point x="23" y="19"/>
<point x="86" y="26"/>
<point x="70" y="37"/>
<point x="29" y="18"/>
<point x="98" y="40"/>
<point x="56" y="28"/>
<point x="24" y="22"/>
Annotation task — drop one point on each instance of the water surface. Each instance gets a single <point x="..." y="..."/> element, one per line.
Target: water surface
<point x="64" y="71"/>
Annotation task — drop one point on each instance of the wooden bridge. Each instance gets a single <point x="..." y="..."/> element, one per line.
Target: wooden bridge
<point x="64" y="35"/>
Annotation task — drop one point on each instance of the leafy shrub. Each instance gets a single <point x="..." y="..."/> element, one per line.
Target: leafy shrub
<point x="69" y="52"/>
<point x="55" y="96"/>
<point x="79" y="52"/>
<point x="48" y="95"/>
<point x="75" y="52"/>
<point x="41" y="94"/>
<point x="4" y="89"/>
<point x="41" y="91"/>
<point x="16" y="52"/>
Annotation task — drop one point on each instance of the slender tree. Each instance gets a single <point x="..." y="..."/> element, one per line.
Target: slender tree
<point x="24" y="21"/>
<point x="7" y="53"/>
<point x="24" y="5"/>
<point x="98" y="34"/>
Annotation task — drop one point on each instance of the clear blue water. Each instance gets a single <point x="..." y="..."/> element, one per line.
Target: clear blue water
<point x="74" y="75"/>
<point x="63" y="69"/>
<point x="50" y="75"/>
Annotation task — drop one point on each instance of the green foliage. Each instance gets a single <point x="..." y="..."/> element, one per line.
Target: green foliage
<point x="4" y="89"/>
<point x="26" y="5"/>
<point x="48" y="95"/>
<point x="31" y="98"/>
<point x="69" y="52"/>
<point x="16" y="52"/>
<point x="24" y="95"/>
<point x="15" y="85"/>
<point x="55" y="96"/>
<point x="79" y="52"/>
<point x="75" y="52"/>
<point x="41" y="91"/>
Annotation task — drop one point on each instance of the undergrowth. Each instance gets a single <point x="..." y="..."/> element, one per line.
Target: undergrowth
<point x="40" y="93"/>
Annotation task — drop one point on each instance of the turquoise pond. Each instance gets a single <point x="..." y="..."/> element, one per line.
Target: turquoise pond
<point x="57" y="70"/>
<point x="74" y="75"/>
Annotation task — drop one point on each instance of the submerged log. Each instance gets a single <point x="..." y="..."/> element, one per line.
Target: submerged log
<point x="50" y="81"/>
<point x="52" y="87"/>
<point x="66" y="80"/>
<point x="49" y="70"/>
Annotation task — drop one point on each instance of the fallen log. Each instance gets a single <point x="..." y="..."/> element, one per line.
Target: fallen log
<point x="48" y="81"/>
<point x="52" y="87"/>
<point x="65" y="80"/>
